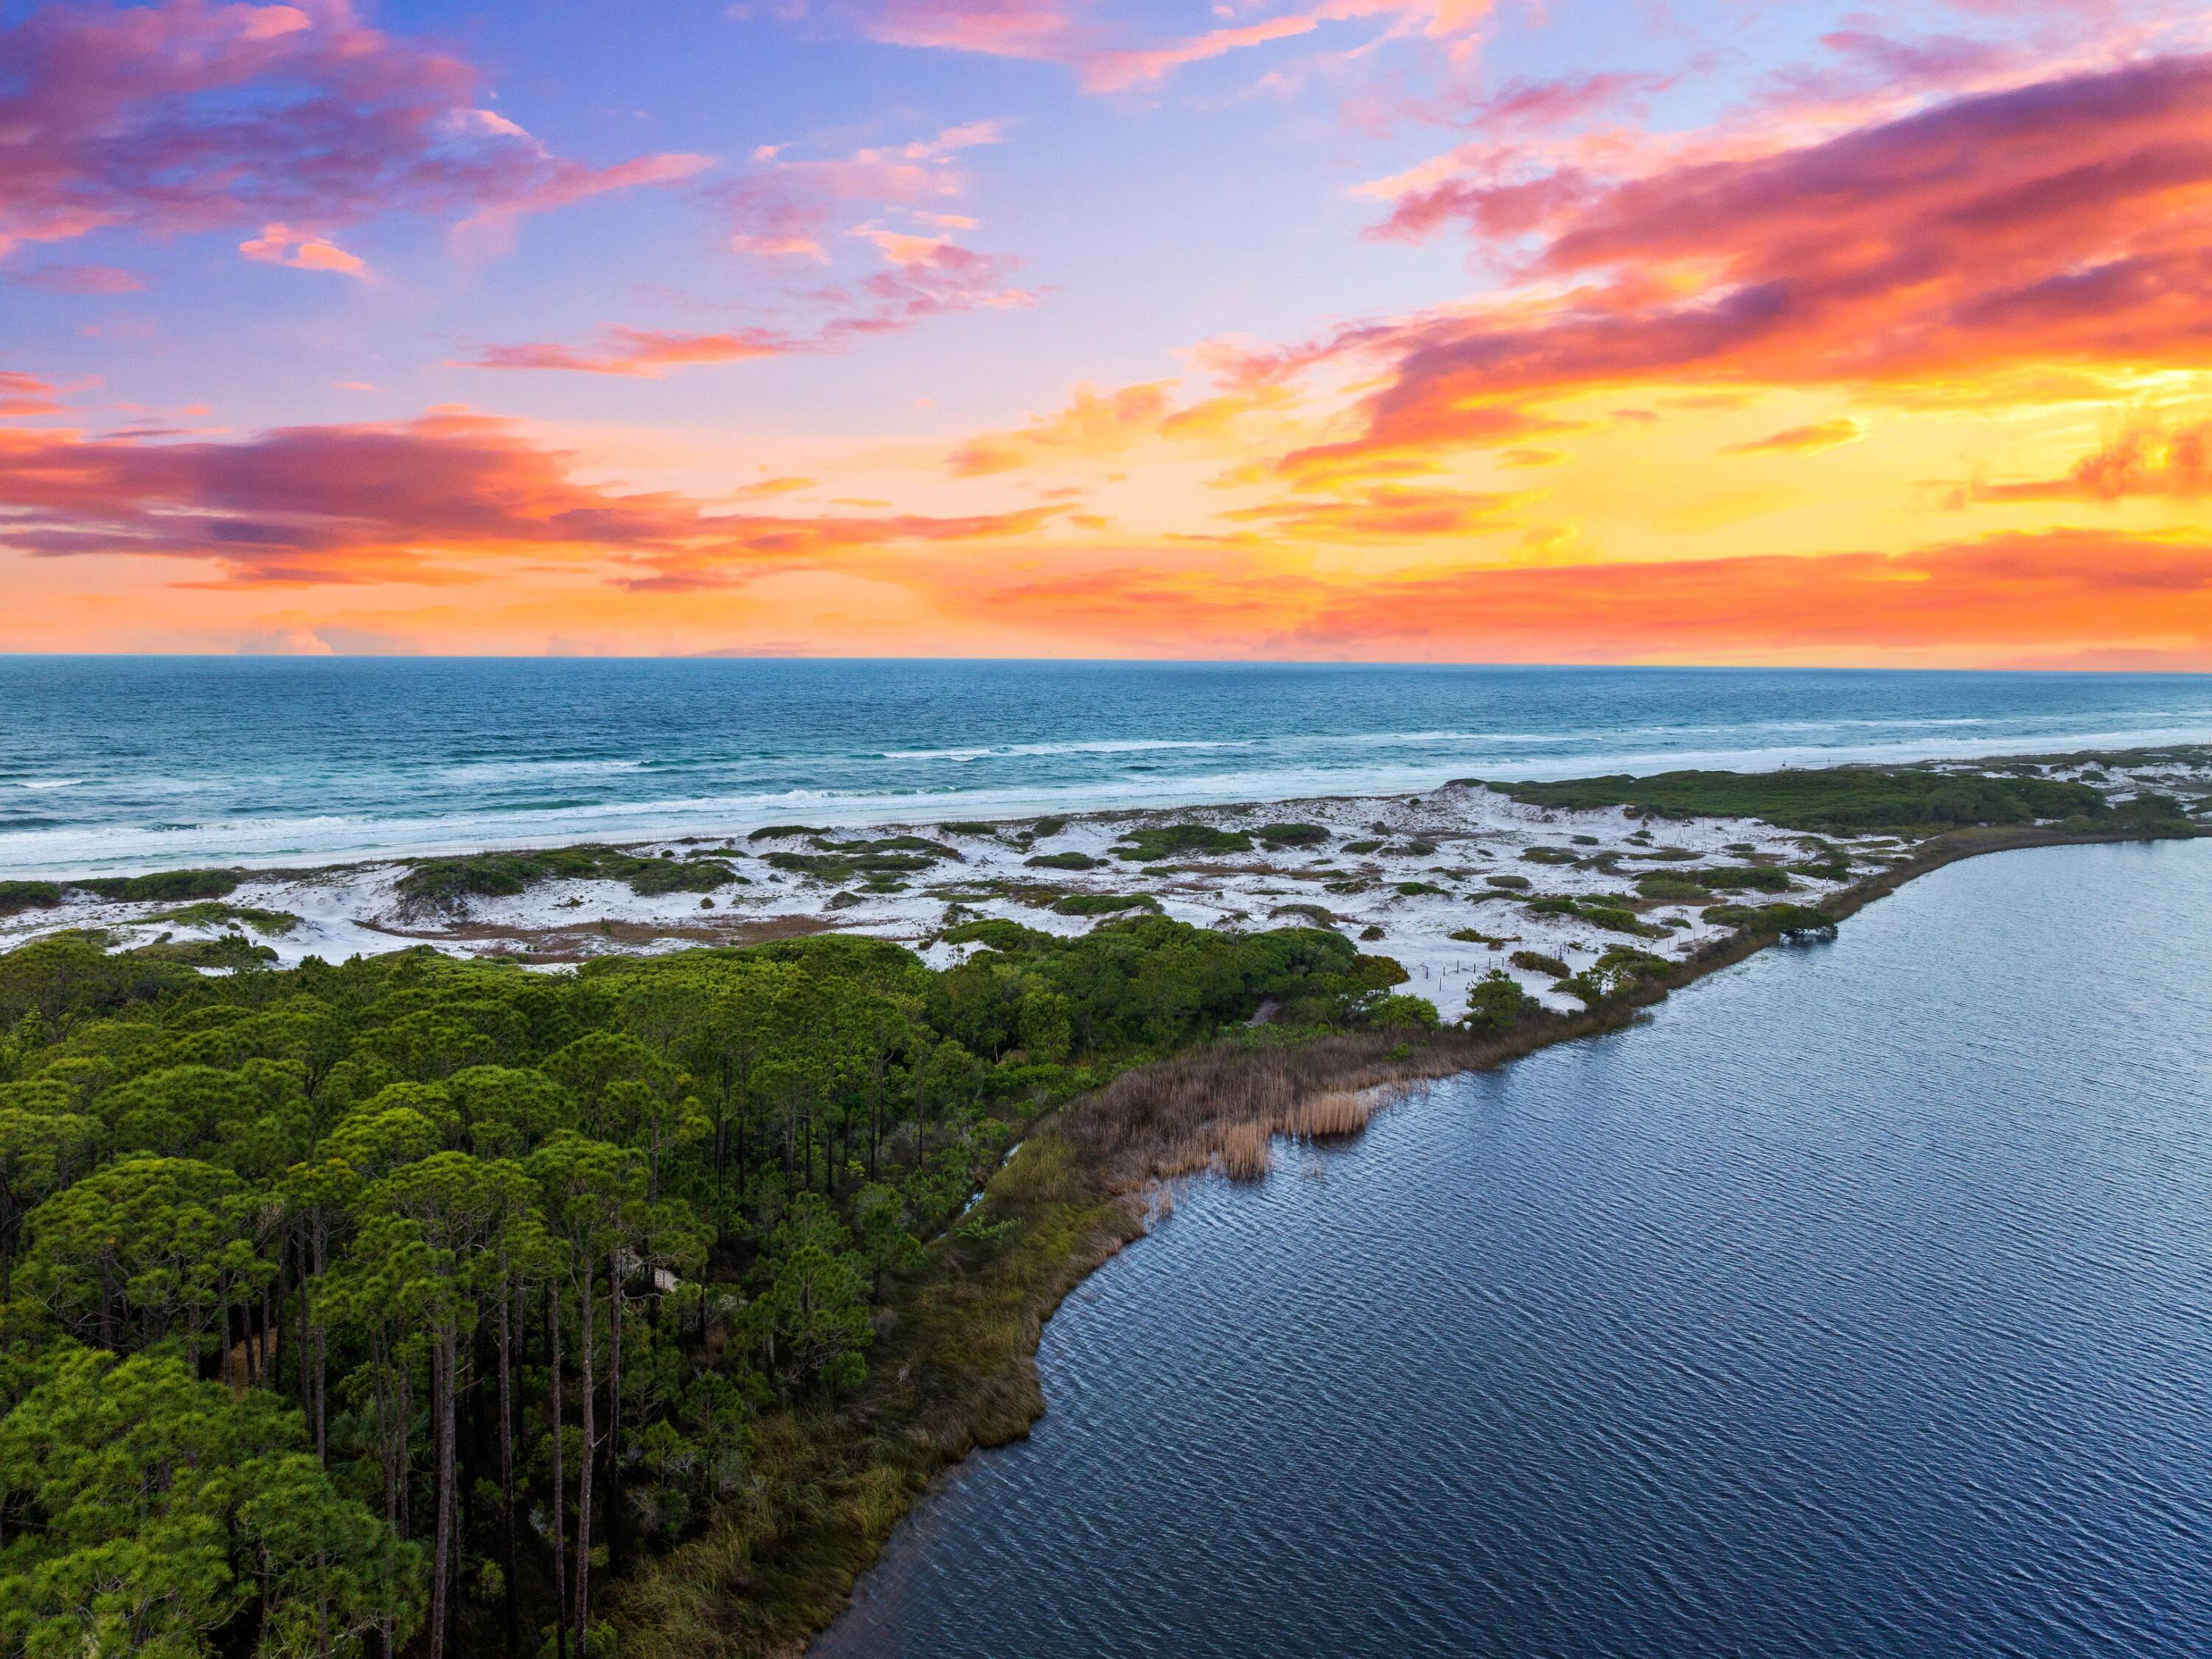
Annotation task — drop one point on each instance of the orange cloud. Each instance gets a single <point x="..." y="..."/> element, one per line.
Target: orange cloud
<point x="441" y="499"/>
<point x="1807" y="439"/>
<point x="1388" y="513"/>
<point x="1094" y="422"/>
<point x="2062" y="227"/>
<point x="2147" y="460"/>
<point x="2060" y="592"/>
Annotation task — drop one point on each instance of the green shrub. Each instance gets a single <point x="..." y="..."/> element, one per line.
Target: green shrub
<point x="1361" y="848"/>
<point x="1403" y="1013"/>
<point x="1619" y="970"/>
<point x="1497" y="1003"/>
<point x="1800" y="922"/>
<point x="1174" y="839"/>
<point x="1415" y="888"/>
<point x="172" y="886"/>
<point x="1667" y="888"/>
<point x="1063" y="861"/>
<point x="1291" y="835"/>
<point x="784" y="831"/>
<point x="1105" y="904"/>
<point x="1761" y="877"/>
<point x="649" y="878"/>
<point x="1614" y="918"/>
<point x="1510" y="883"/>
<point x="19" y="896"/>
<point x="210" y="913"/>
<point x="969" y="827"/>
<point x="1548" y="855"/>
<point x="1536" y="961"/>
<point x="231" y="951"/>
<point x="1044" y="826"/>
<point x="448" y="883"/>
<point x="1843" y="798"/>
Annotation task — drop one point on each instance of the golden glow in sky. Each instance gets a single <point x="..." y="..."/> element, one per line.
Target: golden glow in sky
<point x="1377" y="329"/>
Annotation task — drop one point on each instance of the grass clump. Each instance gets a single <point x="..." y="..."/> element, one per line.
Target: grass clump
<point x="1274" y="835"/>
<point x="969" y="827"/>
<point x="1416" y="888"/>
<point x="785" y="831"/>
<point x="1175" y="840"/>
<point x="1361" y="848"/>
<point x="1508" y="884"/>
<point x="1548" y="855"/>
<point x="1063" y="861"/>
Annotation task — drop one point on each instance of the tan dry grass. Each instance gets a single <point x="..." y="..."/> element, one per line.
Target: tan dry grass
<point x="1247" y="1151"/>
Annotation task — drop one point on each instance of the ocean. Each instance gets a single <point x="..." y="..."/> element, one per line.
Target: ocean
<point x="115" y="764"/>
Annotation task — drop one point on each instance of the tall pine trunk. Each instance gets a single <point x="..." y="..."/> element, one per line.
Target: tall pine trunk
<point x="560" y="1483"/>
<point x="507" y="1452"/>
<point x="614" y="1410"/>
<point x="589" y="1389"/>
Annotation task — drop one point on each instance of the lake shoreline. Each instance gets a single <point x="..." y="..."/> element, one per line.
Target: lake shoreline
<point x="1079" y="1189"/>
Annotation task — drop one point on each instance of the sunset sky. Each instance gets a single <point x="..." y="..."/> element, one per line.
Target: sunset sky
<point x="1565" y="331"/>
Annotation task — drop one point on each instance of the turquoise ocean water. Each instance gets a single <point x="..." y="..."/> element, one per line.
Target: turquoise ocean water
<point x="113" y="764"/>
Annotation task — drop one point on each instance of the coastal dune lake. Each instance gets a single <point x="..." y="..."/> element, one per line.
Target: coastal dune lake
<point x="1861" y="1303"/>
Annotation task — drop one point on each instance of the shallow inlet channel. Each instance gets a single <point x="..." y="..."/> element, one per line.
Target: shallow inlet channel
<point x="1859" y="1303"/>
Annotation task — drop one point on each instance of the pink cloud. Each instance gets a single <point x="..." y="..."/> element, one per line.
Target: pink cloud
<point x="25" y="394"/>
<point x="925" y="278"/>
<point x="1046" y="30"/>
<point x="77" y="279"/>
<point x="280" y="245"/>
<point x="642" y="352"/>
<point x="185" y="116"/>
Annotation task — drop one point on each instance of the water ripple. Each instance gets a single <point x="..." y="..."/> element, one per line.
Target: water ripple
<point x="1861" y="1304"/>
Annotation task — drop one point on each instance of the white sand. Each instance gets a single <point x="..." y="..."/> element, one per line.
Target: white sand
<point x="1476" y="833"/>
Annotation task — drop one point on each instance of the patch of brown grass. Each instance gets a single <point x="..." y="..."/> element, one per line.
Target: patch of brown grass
<point x="1247" y="1149"/>
<point x="1335" y="1114"/>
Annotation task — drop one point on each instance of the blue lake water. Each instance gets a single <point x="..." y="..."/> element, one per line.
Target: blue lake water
<point x="1860" y="1304"/>
<point x="111" y="764"/>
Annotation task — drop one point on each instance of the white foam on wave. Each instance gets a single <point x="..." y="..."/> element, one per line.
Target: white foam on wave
<point x="267" y="840"/>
